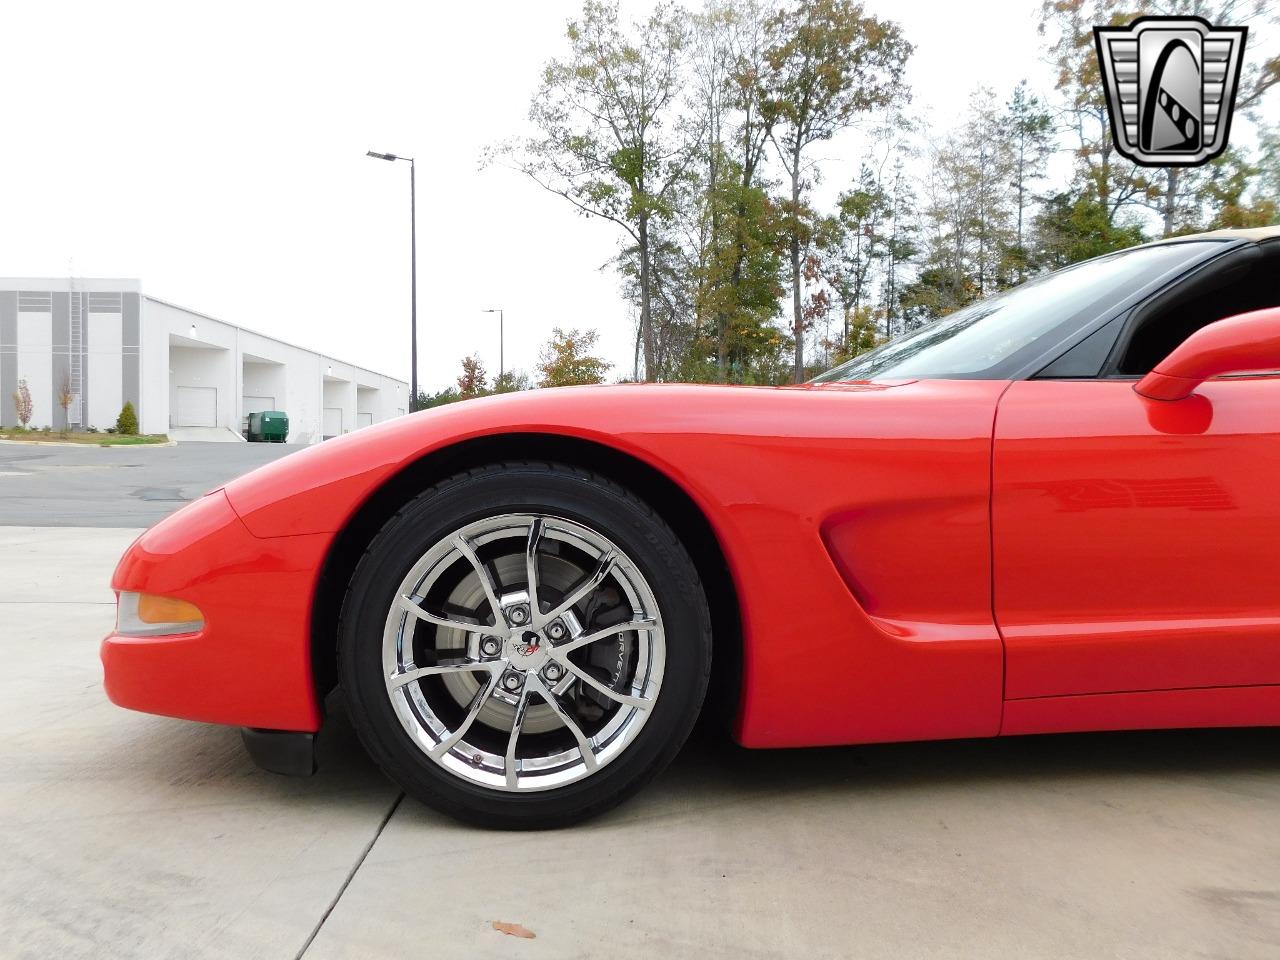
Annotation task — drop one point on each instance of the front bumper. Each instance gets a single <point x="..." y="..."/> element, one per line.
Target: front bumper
<point x="250" y="665"/>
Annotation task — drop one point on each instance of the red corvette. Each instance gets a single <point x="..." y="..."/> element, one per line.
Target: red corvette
<point x="1057" y="509"/>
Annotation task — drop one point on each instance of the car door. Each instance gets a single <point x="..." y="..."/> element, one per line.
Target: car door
<point x="1136" y="542"/>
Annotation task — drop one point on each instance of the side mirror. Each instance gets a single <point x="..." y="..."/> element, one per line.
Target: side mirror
<point x="1240" y="344"/>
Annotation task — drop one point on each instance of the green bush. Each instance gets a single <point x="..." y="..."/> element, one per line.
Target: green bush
<point x="127" y="422"/>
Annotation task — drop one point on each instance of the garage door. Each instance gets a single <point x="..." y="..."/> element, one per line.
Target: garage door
<point x="332" y="422"/>
<point x="196" y="407"/>
<point x="258" y="404"/>
<point x="364" y="419"/>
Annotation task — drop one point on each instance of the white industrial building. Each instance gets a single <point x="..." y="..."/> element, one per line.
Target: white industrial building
<point x="188" y="375"/>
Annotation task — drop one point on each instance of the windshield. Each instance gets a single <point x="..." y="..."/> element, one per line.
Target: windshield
<point x="991" y="337"/>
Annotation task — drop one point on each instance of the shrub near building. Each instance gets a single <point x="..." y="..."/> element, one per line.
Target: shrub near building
<point x="127" y="422"/>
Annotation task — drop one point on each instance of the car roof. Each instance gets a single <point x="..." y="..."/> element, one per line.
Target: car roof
<point x="1252" y="234"/>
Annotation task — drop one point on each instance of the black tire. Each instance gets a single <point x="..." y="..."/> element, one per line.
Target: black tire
<point x="490" y="491"/>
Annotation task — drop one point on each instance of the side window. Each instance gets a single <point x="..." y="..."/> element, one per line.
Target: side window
<point x="1235" y="284"/>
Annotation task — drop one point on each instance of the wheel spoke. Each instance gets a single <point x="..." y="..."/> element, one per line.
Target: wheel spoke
<point x="643" y="624"/>
<point x="583" y="589"/>
<point x="516" y="726"/>
<point x="531" y="564"/>
<point x="477" y="701"/>
<point x="409" y="606"/>
<point x="623" y="698"/>
<point x="584" y="745"/>
<point x="490" y="589"/>
<point x="397" y="680"/>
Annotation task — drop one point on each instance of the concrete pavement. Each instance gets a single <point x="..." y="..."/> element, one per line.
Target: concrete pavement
<point x="85" y="486"/>
<point x="125" y="835"/>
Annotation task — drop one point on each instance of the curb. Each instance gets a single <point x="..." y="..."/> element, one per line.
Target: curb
<point x="6" y="441"/>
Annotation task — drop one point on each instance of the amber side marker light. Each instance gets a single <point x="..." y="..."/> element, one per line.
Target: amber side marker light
<point x="146" y="615"/>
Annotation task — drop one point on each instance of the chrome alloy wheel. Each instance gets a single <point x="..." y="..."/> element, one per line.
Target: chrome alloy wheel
<point x="523" y="652"/>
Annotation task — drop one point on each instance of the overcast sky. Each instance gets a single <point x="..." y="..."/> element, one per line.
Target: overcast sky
<point x="219" y="156"/>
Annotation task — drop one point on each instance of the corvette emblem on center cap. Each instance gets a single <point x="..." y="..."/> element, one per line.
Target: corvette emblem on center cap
<point x="1171" y="87"/>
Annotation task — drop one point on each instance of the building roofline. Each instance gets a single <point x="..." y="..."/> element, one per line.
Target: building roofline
<point x="267" y="336"/>
<point x="59" y="284"/>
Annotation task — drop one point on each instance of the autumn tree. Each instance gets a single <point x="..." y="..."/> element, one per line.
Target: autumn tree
<point x="1227" y="192"/>
<point x="473" y="382"/>
<point x="696" y="134"/>
<point x="828" y="64"/>
<point x="605" y="116"/>
<point x="567" y="359"/>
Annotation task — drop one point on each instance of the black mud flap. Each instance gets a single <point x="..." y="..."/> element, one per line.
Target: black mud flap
<point x="281" y="751"/>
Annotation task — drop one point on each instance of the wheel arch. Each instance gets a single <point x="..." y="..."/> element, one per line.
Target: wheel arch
<point x="667" y="498"/>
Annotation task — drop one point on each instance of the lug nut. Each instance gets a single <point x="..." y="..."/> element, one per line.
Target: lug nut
<point x="556" y="631"/>
<point x="518" y="614"/>
<point x="552" y="672"/>
<point x="490" y="646"/>
<point x="511" y="681"/>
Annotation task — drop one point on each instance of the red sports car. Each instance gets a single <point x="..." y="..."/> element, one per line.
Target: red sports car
<point x="1057" y="509"/>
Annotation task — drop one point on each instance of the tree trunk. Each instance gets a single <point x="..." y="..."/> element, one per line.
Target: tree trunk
<point x="646" y="316"/>
<point x="635" y="359"/>
<point x="797" y="314"/>
<point x="857" y="283"/>
<point x="1022" y="203"/>
<point x="722" y="373"/>
<point x="1170" y="199"/>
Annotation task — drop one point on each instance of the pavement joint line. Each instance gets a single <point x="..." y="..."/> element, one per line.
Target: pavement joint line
<point x="351" y="875"/>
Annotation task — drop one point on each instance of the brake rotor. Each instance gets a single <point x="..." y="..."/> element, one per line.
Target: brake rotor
<point x="607" y="662"/>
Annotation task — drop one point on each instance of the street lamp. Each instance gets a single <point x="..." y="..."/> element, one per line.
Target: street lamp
<point x="498" y="311"/>
<point x="413" y="277"/>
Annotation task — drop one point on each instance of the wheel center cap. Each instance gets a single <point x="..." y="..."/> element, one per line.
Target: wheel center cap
<point x="526" y="652"/>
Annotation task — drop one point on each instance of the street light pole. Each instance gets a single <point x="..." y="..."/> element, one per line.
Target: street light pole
<point x="413" y="276"/>
<point x="501" y="366"/>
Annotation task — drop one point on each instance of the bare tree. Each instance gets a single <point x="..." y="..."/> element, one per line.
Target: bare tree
<point x="22" y="403"/>
<point x="65" y="399"/>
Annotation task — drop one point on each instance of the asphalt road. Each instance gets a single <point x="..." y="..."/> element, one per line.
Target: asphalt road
<point x="84" y="486"/>
<point x="127" y="835"/>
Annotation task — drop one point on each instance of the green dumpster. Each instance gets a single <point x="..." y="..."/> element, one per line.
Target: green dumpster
<point x="268" y="426"/>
